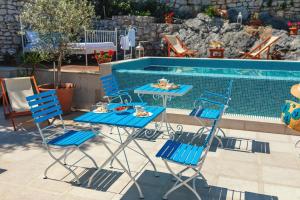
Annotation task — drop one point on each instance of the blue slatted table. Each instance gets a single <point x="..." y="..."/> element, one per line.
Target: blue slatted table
<point x="148" y="89"/>
<point x="122" y="120"/>
<point x="166" y="95"/>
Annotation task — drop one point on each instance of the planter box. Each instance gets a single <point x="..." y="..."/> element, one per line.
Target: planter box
<point x="88" y="89"/>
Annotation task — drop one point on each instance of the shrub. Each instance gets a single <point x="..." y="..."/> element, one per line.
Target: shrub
<point x="108" y="8"/>
<point x="210" y="11"/>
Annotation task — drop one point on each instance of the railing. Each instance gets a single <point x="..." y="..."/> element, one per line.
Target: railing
<point x="98" y="36"/>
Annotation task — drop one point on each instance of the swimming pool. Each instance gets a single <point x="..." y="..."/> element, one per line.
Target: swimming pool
<point x="259" y="88"/>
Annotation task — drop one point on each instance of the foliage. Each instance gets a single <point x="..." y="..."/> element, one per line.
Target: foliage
<point x="269" y="3"/>
<point x="283" y="6"/>
<point x="211" y="11"/>
<point x="292" y="3"/>
<point x="108" y="8"/>
<point x="33" y="59"/>
<point x="59" y="22"/>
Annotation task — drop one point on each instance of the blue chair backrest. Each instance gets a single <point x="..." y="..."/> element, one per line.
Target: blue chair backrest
<point x="109" y="84"/>
<point x="44" y="106"/>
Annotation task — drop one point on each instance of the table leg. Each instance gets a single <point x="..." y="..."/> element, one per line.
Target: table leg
<point x="125" y="155"/>
<point x="114" y="156"/>
<point x="142" y="150"/>
<point x="164" y="122"/>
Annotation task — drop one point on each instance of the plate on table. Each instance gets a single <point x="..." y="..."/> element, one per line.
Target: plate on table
<point x="149" y="114"/>
<point x="166" y="87"/>
<point x="100" y="110"/>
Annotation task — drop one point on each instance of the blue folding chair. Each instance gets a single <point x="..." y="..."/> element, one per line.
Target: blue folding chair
<point x="112" y="91"/>
<point x="221" y="98"/>
<point x="190" y="154"/>
<point x="45" y="106"/>
<point x="202" y="112"/>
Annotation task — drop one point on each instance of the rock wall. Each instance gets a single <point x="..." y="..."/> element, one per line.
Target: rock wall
<point x="198" y="32"/>
<point x="289" y="9"/>
<point x="148" y="30"/>
<point x="9" y="27"/>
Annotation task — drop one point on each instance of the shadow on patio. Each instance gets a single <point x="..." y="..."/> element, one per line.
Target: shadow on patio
<point x="2" y="170"/>
<point x="155" y="187"/>
<point x="27" y="135"/>
<point x="102" y="181"/>
<point x="230" y="143"/>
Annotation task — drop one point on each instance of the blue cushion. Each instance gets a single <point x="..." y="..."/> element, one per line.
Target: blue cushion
<point x="206" y="113"/>
<point x="181" y="153"/>
<point x="32" y="37"/>
<point x="72" y="138"/>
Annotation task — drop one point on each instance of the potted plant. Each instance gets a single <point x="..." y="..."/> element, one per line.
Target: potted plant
<point x="58" y="22"/>
<point x="293" y="27"/>
<point x="103" y="57"/>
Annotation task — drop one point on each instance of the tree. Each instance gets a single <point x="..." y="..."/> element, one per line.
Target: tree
<point x="58" y="22"/>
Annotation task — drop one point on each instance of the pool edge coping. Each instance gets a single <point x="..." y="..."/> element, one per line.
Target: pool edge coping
<point x="237" y="122"/>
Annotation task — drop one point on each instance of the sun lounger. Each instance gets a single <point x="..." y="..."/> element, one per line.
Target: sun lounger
<point x="263" y="47"/>
<point x="178" y="47"/>
<point x="14" y="91"/>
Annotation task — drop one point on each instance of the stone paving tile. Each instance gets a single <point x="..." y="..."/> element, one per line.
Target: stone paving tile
<point x="282" y="192"/>
<point x="238" y="184"/>
<point x="253" y="165"/>
<point x="282" y="176"/>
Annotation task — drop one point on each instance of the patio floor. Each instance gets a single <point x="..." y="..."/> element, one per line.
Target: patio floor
<point x="252" y="166"/>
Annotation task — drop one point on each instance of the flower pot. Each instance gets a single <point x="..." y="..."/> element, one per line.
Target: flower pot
<point x="64" y="94"/>
<point x="169" y="20"/>
<point x="293" y="31"/>
<point x="255" y="23"/>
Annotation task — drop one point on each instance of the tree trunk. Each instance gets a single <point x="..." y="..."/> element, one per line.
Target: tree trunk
<point x="59" y="63"/>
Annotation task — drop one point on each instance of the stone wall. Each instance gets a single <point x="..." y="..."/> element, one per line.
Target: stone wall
<point x="289" y="9"/>
<point x="147" y="30"/>
<point x="9" y="26"/>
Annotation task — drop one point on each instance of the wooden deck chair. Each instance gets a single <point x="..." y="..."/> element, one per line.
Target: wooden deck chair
<point x="15" y="91"/>
<point x="263" y="47"/>
<point x="178" y="47"/>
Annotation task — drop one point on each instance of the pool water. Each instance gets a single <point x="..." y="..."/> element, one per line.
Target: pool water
<point x="260" y="88"/>
<point x="225" y="71"/>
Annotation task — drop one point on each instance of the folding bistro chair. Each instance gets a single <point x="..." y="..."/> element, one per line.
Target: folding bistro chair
<point x="201" y="112"/>
<point x="112" y="91"/>
<point x="178" y="47"/>
<point x="45" y="106"/>
<point x="189" y="154"/>
<point x="264" y="46"/>
<point x="14" y="92"/>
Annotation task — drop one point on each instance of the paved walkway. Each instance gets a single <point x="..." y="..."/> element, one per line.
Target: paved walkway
<point x="252" y="166"/>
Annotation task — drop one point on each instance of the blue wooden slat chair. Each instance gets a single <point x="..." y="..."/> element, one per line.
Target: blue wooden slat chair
<point x="112" y="91"/>
<point x="45" y="106"/>
<point x="205" y="112"/>
<point x="190" y="154"/>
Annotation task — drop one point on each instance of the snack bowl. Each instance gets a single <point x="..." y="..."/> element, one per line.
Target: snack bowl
<point x="121" y="109"/>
